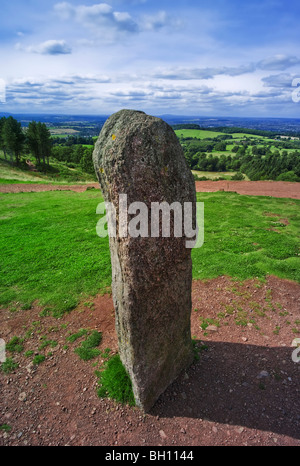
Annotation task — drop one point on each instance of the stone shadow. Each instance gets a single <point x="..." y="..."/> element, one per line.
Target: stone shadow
<point x="239" y="384"/>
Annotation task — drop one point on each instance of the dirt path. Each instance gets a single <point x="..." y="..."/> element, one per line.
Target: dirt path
<point x="255" y="188"/>
<point x="28" y="187"/>
<point x="243" y="390"/>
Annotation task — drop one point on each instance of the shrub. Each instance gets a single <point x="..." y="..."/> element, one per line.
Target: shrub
<point x="238" y="177"/>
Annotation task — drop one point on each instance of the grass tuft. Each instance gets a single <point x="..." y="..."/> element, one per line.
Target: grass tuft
<point x="115" y="382"/>
<point x="87" y="350"/>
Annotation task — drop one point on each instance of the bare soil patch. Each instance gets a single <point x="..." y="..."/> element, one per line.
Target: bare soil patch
<point x="35" y="188"/>
<point x="255" y="188"/>
<point x="243" y="390"/>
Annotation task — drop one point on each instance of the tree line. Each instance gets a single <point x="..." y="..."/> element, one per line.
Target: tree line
<point x="36" y="139"/>
<point x="258" y="163"/>
<point x="14" y="141"/>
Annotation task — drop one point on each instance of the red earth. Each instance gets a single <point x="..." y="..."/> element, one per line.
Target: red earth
<point x="242" y="390"/>
<point x="255" y="188"/>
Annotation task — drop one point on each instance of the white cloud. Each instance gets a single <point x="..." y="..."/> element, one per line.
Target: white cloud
<point x="49" y="47"/>
<point x="282" y="80"/>
<point x="101" y="17"/>
<point x="159" y="21"/>
<point x="278" y="62"/>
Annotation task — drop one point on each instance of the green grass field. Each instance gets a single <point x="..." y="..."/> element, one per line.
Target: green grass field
<point x="197" y="133"/>
<point x="203" y="134"/>
<point x="51" y="254"/>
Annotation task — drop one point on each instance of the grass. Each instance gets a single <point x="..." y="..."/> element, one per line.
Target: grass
<point x="38" y="359"/>
<point x="15" y="345"/>
<point x="9" y="365"/>
<point x="88" y="348"/>
<point x="239" y="240"/>
<point x="216" y="175"/>
<point x="197" y="133"/>
<point x="77" y="335"/>
<point x="114" y="382"/>
<point x="50" y="253"/>
<point x="203" y="134"/>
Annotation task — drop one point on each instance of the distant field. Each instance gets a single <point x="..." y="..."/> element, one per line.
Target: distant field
<point x="196" y="133"/>
<point x="62" y="131"/>
<point x="50" y="252"/>
<point x="201" y="134"/>
<point x="216" y="175"/>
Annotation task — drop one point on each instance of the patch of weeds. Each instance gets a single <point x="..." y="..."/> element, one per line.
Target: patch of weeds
<point x="283" y="313"/>
<point x="268" y="295"/>
<point x="257" y="309"/>
<point x="252" y="321"/>
<point x="115" y="382"/>
<point x="87" y="350"/>
<point x="241" y="318"/>
<point x="276" y="331"/>
<point x="261" y="386"/>
<point x="208" y="321"/>
<point x="5" y="427"/>
<point x="15" y="345"/>
<point x="271" y="307"/>
<point x="26" y="306"/>
<point x="28" y="353"/>
<point x="33" y="329"/>
<point x="9" y="365"/>
<point x="46" y="343"/>
<point x="38" y="359"/>
<point x="229" y="309"/>
<point x="106" y="353"/>
<point x="258" y="284"/>
<point x="13" y="309"/>
<point x="77" y="335"/>
<point x="89" y="304"/>
<point x="45" y="312"/>
<point x="295" y="330"/>
<point x="53" y="329"/>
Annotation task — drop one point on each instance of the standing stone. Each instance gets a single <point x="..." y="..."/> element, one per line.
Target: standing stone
<point x="140" y="156"/>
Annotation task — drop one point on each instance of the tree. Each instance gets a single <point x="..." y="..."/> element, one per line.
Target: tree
<point x="2" y="144"/>
<point x="220" y="146"/>
<point x="33" y="140"/>
<point x="288" y="176"/>
<point x="86" y="161"/>
<point x="39" y="141"/>
<point x="45" y="145"/>
<point x="13" y="137"/>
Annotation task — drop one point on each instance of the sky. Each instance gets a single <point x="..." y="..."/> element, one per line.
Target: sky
<point x="193" y="57"/>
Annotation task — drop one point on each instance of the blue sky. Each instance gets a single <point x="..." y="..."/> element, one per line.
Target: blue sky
<point x="218" y="58"/>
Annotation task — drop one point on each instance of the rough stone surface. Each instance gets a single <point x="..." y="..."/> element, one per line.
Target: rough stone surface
<point x="139" y="155"/>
